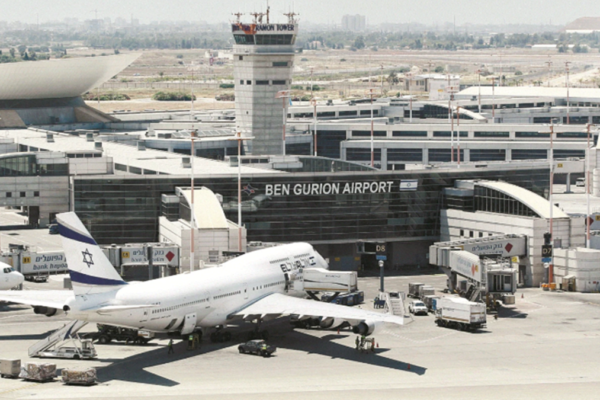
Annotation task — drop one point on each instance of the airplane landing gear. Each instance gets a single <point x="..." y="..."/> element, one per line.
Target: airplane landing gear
<point x="219" y="336"/>
<point x="257" y="333"/>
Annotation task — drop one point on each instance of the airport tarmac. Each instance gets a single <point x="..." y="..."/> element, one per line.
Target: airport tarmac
<point x="546" y="346"/>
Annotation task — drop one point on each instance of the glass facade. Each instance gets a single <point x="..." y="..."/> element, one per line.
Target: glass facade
<point x="312" y="207"/>
<point x="487" y="155"/>
<point x="490" y="200"/>
<point x="26" y="165"/>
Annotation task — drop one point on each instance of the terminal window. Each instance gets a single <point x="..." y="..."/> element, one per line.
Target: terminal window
<point x="8" y="194"/>
<point x="280" y="63"/>
<point x="279" y="82"/>
<point x="23" y="194"/>
<point x="262" y="82"/>
<point x="244" y="39"/>
<point x="274" y="39"/>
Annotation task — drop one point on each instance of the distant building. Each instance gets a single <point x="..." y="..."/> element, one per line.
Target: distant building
<point x="584" y="25"/>
<point x="354" y="23"/>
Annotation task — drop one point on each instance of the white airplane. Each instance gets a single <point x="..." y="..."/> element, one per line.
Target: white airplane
<point x="9" y="278"/>
<point x="253" y="287"/>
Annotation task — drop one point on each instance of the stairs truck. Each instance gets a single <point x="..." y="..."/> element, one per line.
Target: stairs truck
<point x="459" y="313"/>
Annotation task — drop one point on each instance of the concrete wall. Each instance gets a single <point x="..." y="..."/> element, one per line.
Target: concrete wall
<point x="258" y="113"/>
<point x="178" y="232"/>
<point x="52" y="194"/>
<point x="582" y="263"/>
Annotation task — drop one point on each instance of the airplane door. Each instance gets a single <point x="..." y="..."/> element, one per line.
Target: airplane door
<point x="189" y="324"/>
<point x="246" y="291"/>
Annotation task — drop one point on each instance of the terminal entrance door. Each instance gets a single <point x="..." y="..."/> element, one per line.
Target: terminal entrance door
<point x="33" y="212"/>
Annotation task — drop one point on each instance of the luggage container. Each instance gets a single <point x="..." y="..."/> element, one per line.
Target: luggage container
<point x="84" y="377"/>
<point x="10" y="368"/>
<point x="413" y="289"/>
<point x="426" y="290"/>
<point x="430" y="302"/>
<point x="38" y="372"/>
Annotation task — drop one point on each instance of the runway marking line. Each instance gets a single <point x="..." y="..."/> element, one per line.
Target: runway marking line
<point x="21" y="388"/>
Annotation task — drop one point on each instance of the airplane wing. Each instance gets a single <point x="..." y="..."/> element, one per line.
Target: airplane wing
<point x="279" y="305"/>
<point x="45" y="298"/>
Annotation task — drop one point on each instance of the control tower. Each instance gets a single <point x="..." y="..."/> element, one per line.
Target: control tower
<point x="263" y="60"/>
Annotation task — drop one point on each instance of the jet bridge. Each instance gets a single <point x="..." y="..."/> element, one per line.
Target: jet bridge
<point x="478" y="268"/>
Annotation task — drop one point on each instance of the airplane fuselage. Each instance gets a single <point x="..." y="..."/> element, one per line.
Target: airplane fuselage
<point x="211" y="294"/>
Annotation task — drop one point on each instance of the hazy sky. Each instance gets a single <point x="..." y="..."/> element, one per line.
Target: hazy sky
<point x="316" y="11"/>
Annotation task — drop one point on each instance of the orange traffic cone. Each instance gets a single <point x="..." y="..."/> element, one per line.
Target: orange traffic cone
<point x="408" y="368"/>
<point x="377" y="345"/>
<point x="338" y="331"/>
<point x="522" y="295"/>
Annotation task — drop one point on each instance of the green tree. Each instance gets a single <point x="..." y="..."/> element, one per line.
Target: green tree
<point x="12" y="52"/>
<point x="359" y="42"/>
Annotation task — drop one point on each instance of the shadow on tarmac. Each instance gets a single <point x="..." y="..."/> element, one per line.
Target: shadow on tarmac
<point x="37" y="336"/>
<point x="297" y="340"/>
<point x="133" y="369"/>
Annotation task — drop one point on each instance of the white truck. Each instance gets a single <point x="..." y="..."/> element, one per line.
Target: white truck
<point x="459" y="313"/>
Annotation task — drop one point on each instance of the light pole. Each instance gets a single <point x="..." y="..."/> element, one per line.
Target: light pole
<point x="588" y="185"/>
<point x="283" y="95"/>
<point x="381" y="80"/>
<point x="568" y="100"/>
<point x="239" y="140"/>
<point x="192" y="219"/>
<point x="551" y="265"/>
<point x="409" y="76"/>
<point x="193" y="67"/>
<point x="458" y="134"/>
<point x="314" y="104"/>
<point x="479" y="85"/>
<point x="372" y="93"/>
<point x="549" y="62"/>
<point x="493" y="99"/>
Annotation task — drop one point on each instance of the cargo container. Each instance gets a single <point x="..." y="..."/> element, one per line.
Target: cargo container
<point x="10" y="368"/>
<point x="426" y="290"/>
<point x="430" y="302"/>
<point x="459" y="313"/>
<point x="413" y="289"/>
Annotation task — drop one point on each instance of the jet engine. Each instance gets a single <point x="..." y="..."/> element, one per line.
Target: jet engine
<point x="47" y="311"/>
<point x="367" y="327"/>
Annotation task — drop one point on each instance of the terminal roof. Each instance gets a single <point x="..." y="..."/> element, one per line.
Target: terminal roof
<point x="154" y="160"/>
<point x="535" y="202"/>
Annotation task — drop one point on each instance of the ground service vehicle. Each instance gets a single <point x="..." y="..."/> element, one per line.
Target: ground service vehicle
<point x="108" y="333"/>
<point x="258" y="347"/>
<point x="580" y="182"/>
<point x="459" y="313"/>
<point x="417" y="307"/>
<point x="86" y="351"/>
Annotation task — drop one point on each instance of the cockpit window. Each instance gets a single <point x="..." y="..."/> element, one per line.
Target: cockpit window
<point x="7" y="270"/>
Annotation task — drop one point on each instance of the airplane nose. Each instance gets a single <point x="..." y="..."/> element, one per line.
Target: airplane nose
<point x="19" y="278"/>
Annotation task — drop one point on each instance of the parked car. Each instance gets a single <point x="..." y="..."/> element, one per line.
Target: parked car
<point x="417" y="307"/>
<point x="258" y="347"/>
